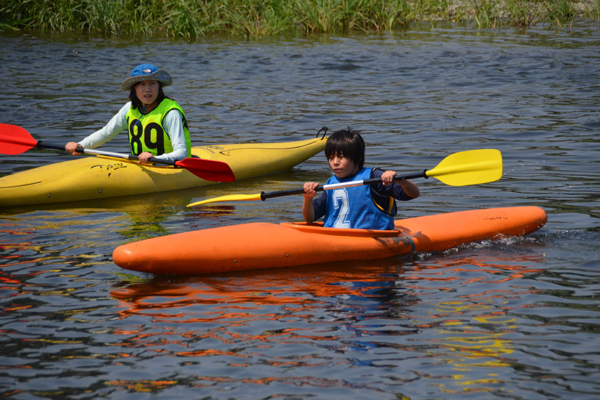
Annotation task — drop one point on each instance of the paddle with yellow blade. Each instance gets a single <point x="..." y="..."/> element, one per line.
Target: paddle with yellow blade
<point x="16" y="140"/>
<point x="465" y="168"/>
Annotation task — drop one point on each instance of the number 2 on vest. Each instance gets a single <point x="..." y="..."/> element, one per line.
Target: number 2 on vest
<point x="340" y="199"/>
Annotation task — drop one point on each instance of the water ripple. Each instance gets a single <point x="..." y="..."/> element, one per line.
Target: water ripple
<point x="512" y="317"/>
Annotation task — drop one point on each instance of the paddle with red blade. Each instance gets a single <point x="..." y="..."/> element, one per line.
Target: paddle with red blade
<point x="16" y="140"/>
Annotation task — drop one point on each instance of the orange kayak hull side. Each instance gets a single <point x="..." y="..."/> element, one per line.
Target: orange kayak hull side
<point x="264" y="245"/>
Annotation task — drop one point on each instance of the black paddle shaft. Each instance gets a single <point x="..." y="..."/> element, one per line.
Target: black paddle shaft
<point x="320" y="188"/>
<point x="49" y="146"/>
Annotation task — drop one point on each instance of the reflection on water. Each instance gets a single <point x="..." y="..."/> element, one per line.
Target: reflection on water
<point x="515" y="318"/>
<point x="475" y="332"/>
<point x="388" y="317"/>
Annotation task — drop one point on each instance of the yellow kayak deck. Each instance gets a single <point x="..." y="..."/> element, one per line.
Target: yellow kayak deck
<point x="87" y="178"/>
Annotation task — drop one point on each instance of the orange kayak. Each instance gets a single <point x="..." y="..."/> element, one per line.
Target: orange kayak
<point x="264" y="245"/>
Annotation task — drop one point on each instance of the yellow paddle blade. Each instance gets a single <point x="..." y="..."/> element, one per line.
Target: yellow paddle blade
<point x="469" y="168"/>
<point x="231" y="197"/>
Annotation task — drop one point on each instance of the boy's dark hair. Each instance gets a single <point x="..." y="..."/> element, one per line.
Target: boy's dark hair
<point x="136" y="103"/>
<point x="347" y="143"/>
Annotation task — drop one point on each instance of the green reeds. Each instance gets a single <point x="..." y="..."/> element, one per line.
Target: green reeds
<point x="260" y="18"/>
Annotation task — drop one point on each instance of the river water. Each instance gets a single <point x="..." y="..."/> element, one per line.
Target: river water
<point x="517" y="318"/>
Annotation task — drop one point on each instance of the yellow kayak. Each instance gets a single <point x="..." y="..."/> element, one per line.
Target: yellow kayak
<point x="87" y="178"/>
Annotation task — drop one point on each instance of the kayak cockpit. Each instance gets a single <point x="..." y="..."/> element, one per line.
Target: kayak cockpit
<point x="319" y="228"/>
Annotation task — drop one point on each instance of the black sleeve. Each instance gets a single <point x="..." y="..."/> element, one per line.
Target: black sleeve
<point x="320" y="205"/>
<point x="394" y="190"/>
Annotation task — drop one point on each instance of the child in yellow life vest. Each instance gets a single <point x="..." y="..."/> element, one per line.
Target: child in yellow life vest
<point x="360" y="207"/>
<point x="156" y="124"/>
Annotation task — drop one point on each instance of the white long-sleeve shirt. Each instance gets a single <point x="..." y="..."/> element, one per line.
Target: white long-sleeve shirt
<point x="172" y="123"/>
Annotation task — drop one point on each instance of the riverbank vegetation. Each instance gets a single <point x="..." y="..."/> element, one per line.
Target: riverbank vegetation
<point x="260" y="18"/>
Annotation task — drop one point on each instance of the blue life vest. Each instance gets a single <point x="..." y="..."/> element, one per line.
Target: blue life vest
<point x="354" y="207"/>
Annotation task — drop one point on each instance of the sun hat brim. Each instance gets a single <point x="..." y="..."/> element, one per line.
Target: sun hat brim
<point x="160" y="75"/>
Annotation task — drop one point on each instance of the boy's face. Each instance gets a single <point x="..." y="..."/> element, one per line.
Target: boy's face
<point x="342" y="167"/>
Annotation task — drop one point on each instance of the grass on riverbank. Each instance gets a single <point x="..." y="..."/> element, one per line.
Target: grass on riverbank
<point x="260" y="18"/>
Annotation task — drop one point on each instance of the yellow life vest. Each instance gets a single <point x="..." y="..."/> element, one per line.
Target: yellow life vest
<point x="146" y="132"/>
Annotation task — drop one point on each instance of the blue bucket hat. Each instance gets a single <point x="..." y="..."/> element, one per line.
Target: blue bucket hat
<point x="146" y="72"/>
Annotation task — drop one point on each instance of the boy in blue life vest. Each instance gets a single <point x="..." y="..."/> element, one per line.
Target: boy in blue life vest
<point x="358" y="207"/>
<point x="156" y="124"/>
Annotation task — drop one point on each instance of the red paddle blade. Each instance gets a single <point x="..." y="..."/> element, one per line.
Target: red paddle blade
<point x="209" y="170"/>
<point x="15" y="140"/>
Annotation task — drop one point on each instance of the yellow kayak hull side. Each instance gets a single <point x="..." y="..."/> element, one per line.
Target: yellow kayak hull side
<point x="87" y="178"/>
